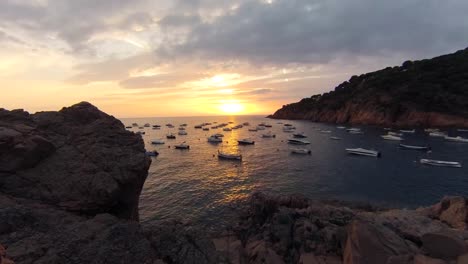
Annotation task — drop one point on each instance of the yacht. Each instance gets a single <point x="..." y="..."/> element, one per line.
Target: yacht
<point x="170" y="136"/>
<point x="391" y="137"/>
<point x="441" y="163"/>
<point x="157" y="141"/>
<point x="456" y="139"/>
<point x="224" y="155"/>
<point x="299" y="135"/>
<point x="296" y="141"/>
<point x="301" y="151"/>
<point x="182" y="145"/>
<point x="363" y="152"/>
<point x="245" y="141"/>
<point x="411" y="147"/>
<point x="215" y="139"/>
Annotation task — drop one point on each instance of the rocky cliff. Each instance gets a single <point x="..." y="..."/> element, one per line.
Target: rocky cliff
<point x="69" y="187"/>
<point x="429" y="93"/>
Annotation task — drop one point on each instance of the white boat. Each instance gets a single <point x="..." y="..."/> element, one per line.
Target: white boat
<point x="391" y="137"/>
<point x="215" y="139"/>
<point x="170" y="136"/>
<point x="456" y="139"/>
<point x="227" y="129"/>
<point x="182" y="133"/>
<point x="299" y="135"/>
<point x="441" y="163"/>
<point x="157" y="141"/>
<point x="354" y="130"/>
<point x="411" y="147"/>
<point x="363" y="152"/>
<point x="395" y="134"/>
<point x="408" y="131"/>
<point x="325" y="131"/>
<point x="429" y="130"/>
<point x="224" y="155"/>
<point x="245" y="141"/>
<point x="341" y="127"/>
<point x="437" y="134"/>
<point x="268" y="135"/>
<point x="462" y="130"/>
<point x="301" y="151"/>
<point x="298" y="141"/>
<point x="335" y="138"/>
<point x="182" y="145"/>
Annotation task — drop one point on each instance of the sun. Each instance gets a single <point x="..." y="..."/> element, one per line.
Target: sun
<point x="231" y="108"/>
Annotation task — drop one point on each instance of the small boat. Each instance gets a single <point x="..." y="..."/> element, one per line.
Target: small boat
<point x="147" y="125"/>
<point x="153" y="153"/>
<point x="169" y="124"/>
<point x="287" y="125"/>
<point x="157" y="141"/>
<point x="335" y="138"/>
<point x="170" y="136"/>
<point x="206" y="129"/>
<point x="429" y="130"/>
<point x="245" y="141"/>
<point x="246" y="123"/>
<point x="437" y="134"/>
<point x="354" y="130"/>
<point x="183" y="125"/>
<point x="462" y="130"/>
<point x="422" y="148"/>
<point x="218" y="135"/>
<point x="288" y="129"/>
<point x="156" y="126"/>
<point x="441" y="163"/>
<point x="141" y="128"/>
<point x="198" y="126"/>
<point x="391" y="137"/>
<point x="299" y="135"/>
<point x="395" y="134"/>
<point x="182" y="145"/>
<point x="325" y="131"/>
<point x="181" y="128"/>
<point x="301" y="151"/>
<point x="140" y="132"/>
<point x="261" y="127"/>
<point x="128" y="127"/>
<point x="408" y="131"/>
<point x="215" y="139"/>
<point x="363" y="152"/>
<point x="298" y="141"/>
<point x="134" y="124"/>
<point x="227" y="129"/>
<point x="224" y="155"/>
<point x="456" y="139"/>
<point x="182" y="133"/>
<point x="253" y="130"/>
<point x="341" y="127"/>
<point x="268" y="125"/>
<point x="268" y="135"/>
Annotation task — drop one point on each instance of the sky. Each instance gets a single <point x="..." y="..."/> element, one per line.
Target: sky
<point x="142" y="58"/>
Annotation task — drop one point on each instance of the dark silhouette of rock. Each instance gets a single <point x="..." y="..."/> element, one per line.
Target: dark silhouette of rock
<point x="429" y="93"/>
<point x="453" y="211"/>
<point x="444" y="244"/>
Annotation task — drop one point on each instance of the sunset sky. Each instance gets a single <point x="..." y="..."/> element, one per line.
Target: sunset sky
<point x="140" y="58"/>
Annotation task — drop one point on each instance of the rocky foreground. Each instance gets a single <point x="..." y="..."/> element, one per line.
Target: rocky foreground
<point x="69" y="188"/>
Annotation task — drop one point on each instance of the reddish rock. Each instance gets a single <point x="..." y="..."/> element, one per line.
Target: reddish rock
<point x="258" y="252"/>
<point x="421" y="259"/>
<point x="444" y="244"/>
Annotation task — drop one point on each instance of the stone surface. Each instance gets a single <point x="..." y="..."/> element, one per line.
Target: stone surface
<point x="453" y="211"/>
<point x="444" y="244"/>
<point x="421" y="259"/>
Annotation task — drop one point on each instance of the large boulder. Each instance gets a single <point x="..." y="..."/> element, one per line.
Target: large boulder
<point x="444" y="244"/>
<point x="453" y="210"/>
<point x="79" y="159"/>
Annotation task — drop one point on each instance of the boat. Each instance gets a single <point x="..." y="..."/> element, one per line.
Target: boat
<point x="147" y="125"/>
<point x="341" y="127"/>
<point x="253" y="130"/>
<point x="215" y="139"/>
<point x="156" y="126"/>
<point x="462" y="130"/>
<point x="411" y="147"/>
<point x="325" y="131"/>
<point x="395" y="134"/>
<point x="268" y="135"/>
<point x="245" y="141"/>
<point x="181" y="128"/>
<point x="441" y="163"/>
<point x="182" y="133"/>
<point x="141" y="128"/>
<point x="363" y="152"/>
<point x="298" y="141"/>
<point x="224" y="155"/>
<point x="183" y="125"/>
<point x="206" y="129"/>
<point x="299" y="135"/>
<point x="354" y="130"/>
<point x="261" y="127"/>
<point x="437" y="134"/>
<point x="287" y="125"/>
<point x="218" y="135"/>
<point x="134" y="124"/>
<point x="408" y="131"/>
<point x="170" y="136"/>
<point x="387" y="128"/>
<point x="392" y="137"/>
<point x="227" y="129"/>
<point x="140" y="132"/>
<point x="268" y="125"/>
<point x="198" y="126"/>
<point x="128" y="127"/>
<point x="288" y="129"/>
<point x="182" y="145"/>
<point x="456" y="139"/>
<point x="153" y="153"/>
<point x="335" y="138"/>
<point x="429" y="130"/>
<point x="246" y="123"/>
<point x="157" y="141"/>
<point x="301" y="151"/>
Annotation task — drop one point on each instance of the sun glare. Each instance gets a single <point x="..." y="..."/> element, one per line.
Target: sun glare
<point x="231" y="108"/>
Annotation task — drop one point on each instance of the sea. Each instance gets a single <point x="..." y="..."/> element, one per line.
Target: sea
<point x="196" y="187"/>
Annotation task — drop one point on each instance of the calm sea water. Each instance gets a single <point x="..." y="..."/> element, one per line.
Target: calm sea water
<point x="193" y="185"/>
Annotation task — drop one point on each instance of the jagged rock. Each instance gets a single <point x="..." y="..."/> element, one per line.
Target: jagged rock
<point x="401" y="259"/>
<point x="230" y="249"/>
<point x="258" y="252"/>
<point x="310" y="258"/>
<point x="453" y="211"/>
<point x="421" y="259"/>
<point x="463" y="259"/>
<point x="372" y="243"/>
<point x="444" y="244"/>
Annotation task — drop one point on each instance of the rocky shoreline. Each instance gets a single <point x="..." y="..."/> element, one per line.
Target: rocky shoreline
<point x="69" y="188"/>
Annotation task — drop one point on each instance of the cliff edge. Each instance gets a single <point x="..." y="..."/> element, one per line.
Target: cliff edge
<point x="427" y="93"/>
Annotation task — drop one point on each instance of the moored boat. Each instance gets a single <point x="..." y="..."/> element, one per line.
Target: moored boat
<point x="411" y="147"/>
<point x="157" y="141"/>
<point x="245" y="141"/>
<point x="325" y="131"/>
<point x="170" y="136"/>
<point x="182" y="145"/>
<point x="299" y="135"/>
<point x="412" y="131"/>
<point x="335" y="138"/>
<point x="441" y="163"/>
<point x="215" y="139"/>
<point x="230" y="156"/>
<point x="395" y="134"/>
<point x="182" y="132"/>
<point x="437" y="134"/>
<point x="268" y="135"/>
<point x="341" y="127"/>
<point x="153" y="153"/>
<point x="456" y="139"/>
<point x="363" y="152"/>
<point x="298" y="141"/>
<point x="301" y="151"/>
<point x="392" y="137"/>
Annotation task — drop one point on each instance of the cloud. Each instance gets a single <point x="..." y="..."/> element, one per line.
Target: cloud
<point x="161" y="80"/>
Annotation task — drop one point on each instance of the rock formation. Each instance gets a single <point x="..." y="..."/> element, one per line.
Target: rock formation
<point x="429" y="93"/>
